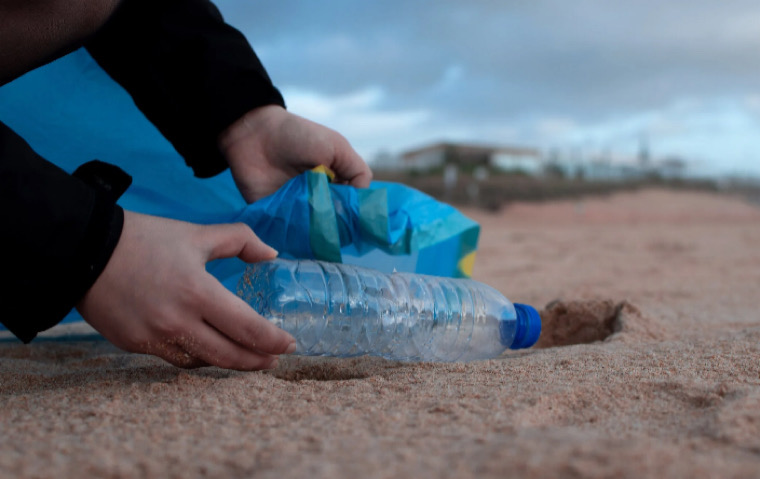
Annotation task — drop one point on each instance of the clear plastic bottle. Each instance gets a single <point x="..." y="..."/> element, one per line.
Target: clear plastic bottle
<point x="344" y="310"/>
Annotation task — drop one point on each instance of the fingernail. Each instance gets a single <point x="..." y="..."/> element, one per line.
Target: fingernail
<point x="275" y="253"/>
<point x="274" y="364"/>
<point x="291" y="348"/>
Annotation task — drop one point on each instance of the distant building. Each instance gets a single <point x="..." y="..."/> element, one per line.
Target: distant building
<point x="386" y="161"/>
<point x="469" y="157"/>
<point x="452" y="157"/>
<point x="622" y="168"/>
<point x="671" y="168"/>
<point x="612" y="168"/>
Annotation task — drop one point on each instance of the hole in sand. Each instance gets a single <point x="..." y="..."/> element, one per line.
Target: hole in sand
<point x="581" y="322"/>
<point x="321" y="369"/>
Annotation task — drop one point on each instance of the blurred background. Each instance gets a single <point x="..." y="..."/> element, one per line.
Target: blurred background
<point x="550" y="98"/>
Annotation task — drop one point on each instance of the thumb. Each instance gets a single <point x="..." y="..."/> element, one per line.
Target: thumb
<point x="236" y="239"/>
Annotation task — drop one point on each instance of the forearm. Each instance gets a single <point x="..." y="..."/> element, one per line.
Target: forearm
<point x="56" y="233"/>
<point x="189" y="72"/>
<point x="35" y="32"/>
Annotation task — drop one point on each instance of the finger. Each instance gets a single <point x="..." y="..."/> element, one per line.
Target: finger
<point x="237" y="320"/>
<point x="207" y="344"/>
<point x="236" y="239"/>
<point x="349" y="166"/>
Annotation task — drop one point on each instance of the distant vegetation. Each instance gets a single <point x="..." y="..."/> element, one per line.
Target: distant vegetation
<point x="498" y="190"/>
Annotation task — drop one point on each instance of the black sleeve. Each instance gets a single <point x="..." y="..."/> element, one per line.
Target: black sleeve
<point x="189" y="72"/>
<point x="57" y="233"/>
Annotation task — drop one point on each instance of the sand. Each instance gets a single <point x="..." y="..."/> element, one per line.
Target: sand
<point x="649" y="366"/>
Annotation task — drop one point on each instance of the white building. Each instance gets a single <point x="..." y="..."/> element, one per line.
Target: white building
<point x="469" y="156"/>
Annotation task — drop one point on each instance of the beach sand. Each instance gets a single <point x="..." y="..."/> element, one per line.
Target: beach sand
<point x="649" y="365"/>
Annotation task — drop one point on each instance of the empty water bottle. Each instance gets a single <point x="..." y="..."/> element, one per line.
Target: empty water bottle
<point x="344" y="310"/>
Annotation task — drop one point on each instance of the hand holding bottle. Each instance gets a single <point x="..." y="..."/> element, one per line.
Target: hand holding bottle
<point x="156" y="297"/>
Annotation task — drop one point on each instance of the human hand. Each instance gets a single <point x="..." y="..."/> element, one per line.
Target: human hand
<point x="156" y="297"/>
<point x="269" y="145"/>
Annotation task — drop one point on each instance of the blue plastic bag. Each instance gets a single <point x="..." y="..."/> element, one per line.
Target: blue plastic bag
<point x="70" y="112"/>
<point x="387" y="226"/>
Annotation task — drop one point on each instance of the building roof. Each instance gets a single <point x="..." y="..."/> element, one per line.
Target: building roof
<point x="466" y="149"/>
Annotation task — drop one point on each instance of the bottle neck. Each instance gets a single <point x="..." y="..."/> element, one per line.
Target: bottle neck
<point x="527" y="327"/>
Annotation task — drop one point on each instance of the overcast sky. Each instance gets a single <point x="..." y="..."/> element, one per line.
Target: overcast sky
<point x="586" y="77"/>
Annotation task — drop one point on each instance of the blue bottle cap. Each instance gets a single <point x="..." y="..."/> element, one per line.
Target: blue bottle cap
<point x="528" y="326"/>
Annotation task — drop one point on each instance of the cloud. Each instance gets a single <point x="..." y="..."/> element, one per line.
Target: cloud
<point x="586" y="56"/>
<point x="712" y="136"/>
<point x="717" y="136"/>
<point x="540" y="72"/>
<point x="549" y="128"/>
<point x="355" y="115"/>
<point x="753" y="102"/>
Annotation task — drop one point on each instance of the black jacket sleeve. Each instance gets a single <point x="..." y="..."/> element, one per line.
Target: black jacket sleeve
<point x="192" y="75"/>
<point x="57" y="233"/>
<point x="189" y="72"/>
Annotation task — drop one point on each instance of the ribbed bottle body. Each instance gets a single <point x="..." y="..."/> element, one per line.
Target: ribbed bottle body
<point x="344" y="310"/>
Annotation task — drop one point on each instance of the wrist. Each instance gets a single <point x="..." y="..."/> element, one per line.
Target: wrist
<point x="254" y="122"/>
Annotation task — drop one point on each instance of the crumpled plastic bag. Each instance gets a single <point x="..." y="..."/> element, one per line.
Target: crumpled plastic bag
<point x="387" y="226"/>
